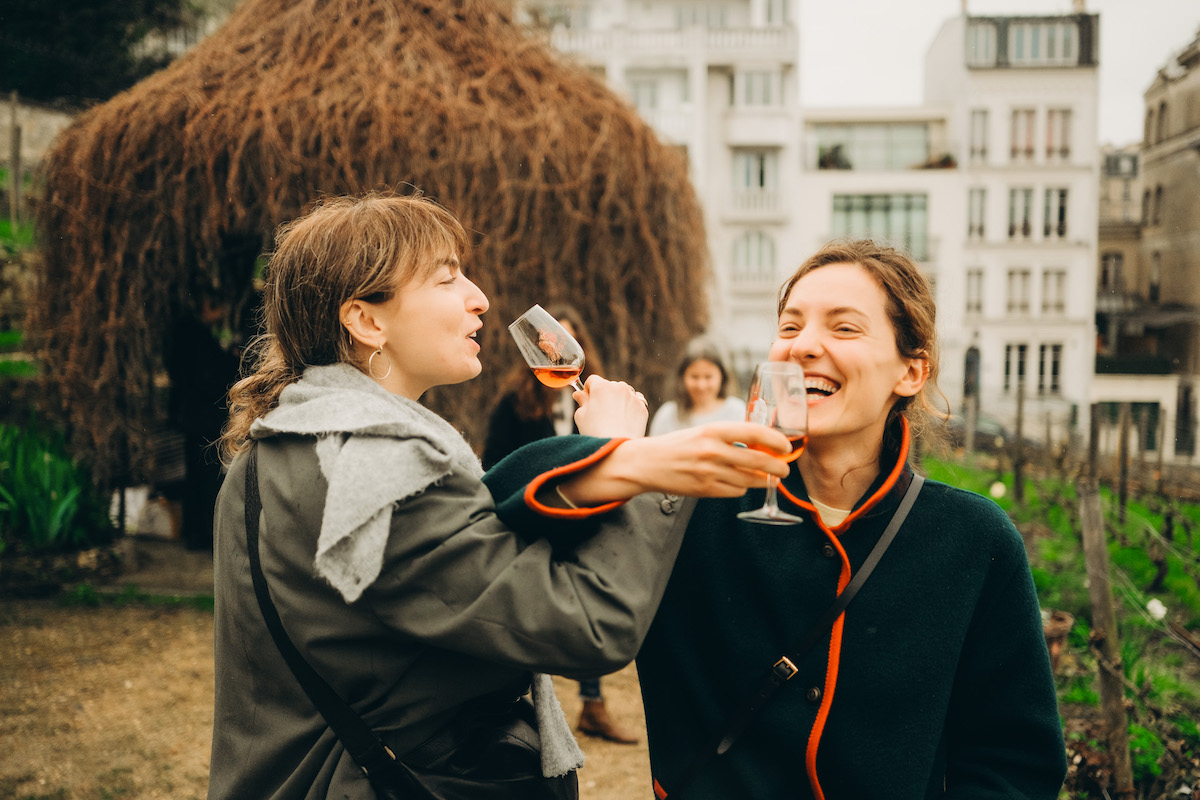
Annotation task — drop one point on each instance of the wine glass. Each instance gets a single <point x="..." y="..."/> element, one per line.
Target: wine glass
<point x="553" y="354"/>
<point x="778" y="399"/>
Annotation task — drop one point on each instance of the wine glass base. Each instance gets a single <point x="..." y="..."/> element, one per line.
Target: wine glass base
<point x="770" y="517"/>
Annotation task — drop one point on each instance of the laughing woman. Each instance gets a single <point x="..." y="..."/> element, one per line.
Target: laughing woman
<point x="935" y="681"/>
<point x="425" y="593"/>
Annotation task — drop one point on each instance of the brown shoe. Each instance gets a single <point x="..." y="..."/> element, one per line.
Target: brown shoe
<point x="595" y="721"/>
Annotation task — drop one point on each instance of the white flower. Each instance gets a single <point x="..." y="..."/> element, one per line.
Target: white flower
<point x="1156" y="609"/>
<point x="998" y="490"/>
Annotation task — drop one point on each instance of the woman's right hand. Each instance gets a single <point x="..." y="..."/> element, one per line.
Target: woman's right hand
<point x="704" y="461"/>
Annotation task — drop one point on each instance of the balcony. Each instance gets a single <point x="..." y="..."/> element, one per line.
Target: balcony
<point x="718" y="45"/>
<point x="748" y="126"/>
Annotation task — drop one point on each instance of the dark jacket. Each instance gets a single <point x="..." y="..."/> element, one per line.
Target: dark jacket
<point x="935" y="683"/>
<point x="480" y="586"/>
<point x="507" y="431"/>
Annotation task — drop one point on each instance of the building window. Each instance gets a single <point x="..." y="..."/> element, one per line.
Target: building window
<point x="1014" y="366"/>
<point x="757" y="89"/>
<point x="979" y="134"/>
<point x="1162" y="122"/>
<point x="1022" y="134"/>
<point x="756" y="180"/>
<point x="1058" y="134"/>
<point x="778" y="12"/>
<point x="710" y="15"/>
<point x="1157" y="212"/>
<point x="981" y="44"/>
<point x="1111" y="265"/>
<point x="1148" y="132"/>
<point x="872" y="146"/>
<point x="1146" y="208"/>
<point x="754" y="257"/>
<point x="1020" y="213"/>
<point x="974" y="291"/>
<point x="976" y="211"/>
<point x="1042" y="43"/>
<point x="1054" y="291"/>
<point x="1018" y="291"/>
<point x="644" y="93"/>
<point x="899" y="220"/>
<point x="1055" y="223"/>
<point x="1049" y="369"/>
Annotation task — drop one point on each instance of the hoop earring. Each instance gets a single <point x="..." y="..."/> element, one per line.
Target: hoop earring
<point x="371" y="365"/>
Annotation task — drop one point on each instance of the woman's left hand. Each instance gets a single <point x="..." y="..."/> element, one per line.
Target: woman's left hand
<point x="610" y="409"/>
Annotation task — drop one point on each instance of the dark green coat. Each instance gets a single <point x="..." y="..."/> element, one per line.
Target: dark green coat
<point x="472" y="598"/>
<point x="936" y="684"/>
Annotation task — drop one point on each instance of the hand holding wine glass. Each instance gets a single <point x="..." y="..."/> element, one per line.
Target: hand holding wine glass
<point x="552" y="353"/>
<point x="778" y="400"/>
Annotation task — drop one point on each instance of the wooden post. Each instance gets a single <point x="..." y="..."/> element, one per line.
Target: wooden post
<point x="972" y="422"/>
<point x="1162" y="445"/>
<point x="1018" y="446"/>
<point x="1123" y="464"/>
<point x="1104" y="635"/>
<point x="14" y="167"/>
<point x="1093" y="456"/>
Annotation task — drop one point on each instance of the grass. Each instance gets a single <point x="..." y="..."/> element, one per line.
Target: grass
<point x="86" y="595"/>
<point x="15" y="240"/>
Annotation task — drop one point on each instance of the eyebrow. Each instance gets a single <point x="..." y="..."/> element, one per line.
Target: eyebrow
<point x="795" y="312"/>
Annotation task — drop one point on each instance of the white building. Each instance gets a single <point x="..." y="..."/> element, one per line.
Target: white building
<point x="991" y="185"/>
<point x="719" y="80"/>
<point x="1024" y="95"/>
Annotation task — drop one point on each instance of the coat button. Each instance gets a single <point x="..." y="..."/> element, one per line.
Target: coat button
<point x="813" y="695"/>
<point x="667" y="506"/>
<point x="828" y="551"/>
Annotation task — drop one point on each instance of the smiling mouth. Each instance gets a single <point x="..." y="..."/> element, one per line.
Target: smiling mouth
<point x="821" y="387"/>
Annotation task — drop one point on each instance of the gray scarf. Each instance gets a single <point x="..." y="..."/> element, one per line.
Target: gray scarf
<point x="359" y="425"/>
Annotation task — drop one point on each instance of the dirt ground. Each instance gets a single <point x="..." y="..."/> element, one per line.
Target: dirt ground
<point x="115" y="701"/>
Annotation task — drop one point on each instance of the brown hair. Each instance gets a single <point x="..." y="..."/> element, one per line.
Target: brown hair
<point x="910" y="308"/>
<point x="698" y="350"/>
<point x="366" y="246"/>
<point x="535" y="400"/>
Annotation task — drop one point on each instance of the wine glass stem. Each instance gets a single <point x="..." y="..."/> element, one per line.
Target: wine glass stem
<point x="577" y="385"/>
<point x="770" y="501"/>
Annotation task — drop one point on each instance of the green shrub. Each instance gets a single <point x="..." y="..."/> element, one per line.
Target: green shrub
<point x="1145" y="749"/>
<point x="47" y="501"/>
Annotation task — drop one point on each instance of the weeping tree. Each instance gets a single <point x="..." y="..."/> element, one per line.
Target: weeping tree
<point x="171" y="191"/>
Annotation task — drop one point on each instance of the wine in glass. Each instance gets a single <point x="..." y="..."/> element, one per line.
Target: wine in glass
<point x="778" y="399"/>
<point x="552" y="353"/>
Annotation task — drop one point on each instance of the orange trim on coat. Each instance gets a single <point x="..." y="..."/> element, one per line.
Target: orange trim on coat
<point x="835" y="637"/>
<point x="659" y="791"/>
<point x="571" y="513"/>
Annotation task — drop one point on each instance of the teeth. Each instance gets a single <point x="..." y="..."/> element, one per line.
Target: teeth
<point x="820" y="385"/>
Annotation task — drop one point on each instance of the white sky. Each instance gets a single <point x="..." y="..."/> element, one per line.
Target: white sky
<point x="872" y="52"/>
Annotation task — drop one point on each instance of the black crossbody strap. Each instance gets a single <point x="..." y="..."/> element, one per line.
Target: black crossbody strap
<point x="785" y="667"/>
<point x="363" y="745"/>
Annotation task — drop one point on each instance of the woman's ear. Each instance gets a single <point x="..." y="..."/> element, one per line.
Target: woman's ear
<point x="915" y="374"/>
<point x="358" y="318"/>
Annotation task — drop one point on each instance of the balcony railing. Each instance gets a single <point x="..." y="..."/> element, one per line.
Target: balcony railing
<point x="718" y="43"/>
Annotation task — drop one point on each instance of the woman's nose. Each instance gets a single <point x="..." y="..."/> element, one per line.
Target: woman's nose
<point x="477" y="301"/>
<point x="806" y="344"/>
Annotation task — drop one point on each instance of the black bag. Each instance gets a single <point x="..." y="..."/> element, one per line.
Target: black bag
<point x="492" y="751"/>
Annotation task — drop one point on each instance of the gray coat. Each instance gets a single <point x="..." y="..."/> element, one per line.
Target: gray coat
<point x="477" y="590"/>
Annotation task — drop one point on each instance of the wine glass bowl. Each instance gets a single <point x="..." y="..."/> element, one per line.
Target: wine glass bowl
<point x="550" y="351"/>
<point x="778" y="400"/>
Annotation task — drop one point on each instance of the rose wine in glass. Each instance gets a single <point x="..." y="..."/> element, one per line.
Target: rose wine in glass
<point x="553" y="354"/>
<point x="778" y="399"/>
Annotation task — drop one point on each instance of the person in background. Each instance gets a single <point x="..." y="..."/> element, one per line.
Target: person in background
<point x="935" y="681"/>
<point x="701" y="392"/>
<point x="527" y="411"/>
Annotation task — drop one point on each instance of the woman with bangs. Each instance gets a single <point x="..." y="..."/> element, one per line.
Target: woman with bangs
<point x="934" y="682"/>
